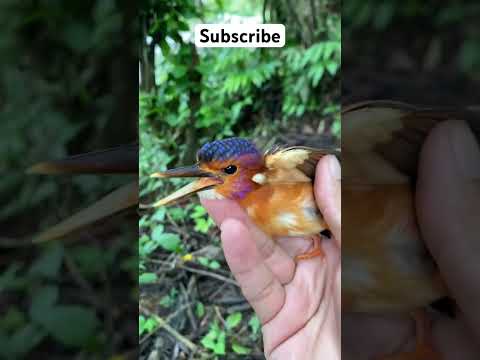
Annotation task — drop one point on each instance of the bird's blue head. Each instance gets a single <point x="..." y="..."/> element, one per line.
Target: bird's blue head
<point x="225" y="166"/>
<point x="235" y="160"/>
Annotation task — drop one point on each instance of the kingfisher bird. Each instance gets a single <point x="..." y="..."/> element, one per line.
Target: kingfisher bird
<point x="386" y="267"/>
<point x="274" y="188"/>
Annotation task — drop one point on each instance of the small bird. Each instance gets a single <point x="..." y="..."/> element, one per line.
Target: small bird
<point x="274" y="188"/>
<point x="386" y="267"/>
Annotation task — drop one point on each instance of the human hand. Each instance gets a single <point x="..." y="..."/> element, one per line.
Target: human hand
<point x="448" y="209"/>
<point x="297" y="304"/>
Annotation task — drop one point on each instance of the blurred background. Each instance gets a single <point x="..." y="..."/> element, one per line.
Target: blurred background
<point x="422" y="52"/>
<point x="189" y="304"/>
<point x="68" y="85"/>
<point x="419" y="51"/>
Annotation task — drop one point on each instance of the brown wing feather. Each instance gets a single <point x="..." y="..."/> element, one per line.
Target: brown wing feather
<point x="381" y="140"/>
<point x="294" y="163"/>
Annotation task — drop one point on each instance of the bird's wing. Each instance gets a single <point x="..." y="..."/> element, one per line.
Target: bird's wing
<point x="381" y="140"/>
<point x="293" y="164"/>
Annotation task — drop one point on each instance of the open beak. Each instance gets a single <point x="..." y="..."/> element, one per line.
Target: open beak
<point x="207" y="181"/>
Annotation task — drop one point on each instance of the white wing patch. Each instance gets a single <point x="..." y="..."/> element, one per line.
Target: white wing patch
<point x="259" y="178"/>
<point x="288" y="219"/>
<point x="286" y="159"/>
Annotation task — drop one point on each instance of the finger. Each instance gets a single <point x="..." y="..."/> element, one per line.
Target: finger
<point x="311" y="298"/>
<point x="453" y="339"/>
<point x="448" y="191"/>
<point x="328" y="193"/>
<point x="366" y="336"/>
<point x="220" y="210"/>
<point x="259" y="285"/>
<point x="294" y="246"/>
<point x="279" y="262"/>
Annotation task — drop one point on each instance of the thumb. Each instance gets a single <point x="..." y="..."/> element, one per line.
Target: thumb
<point x="448" y="207"/>
<point x="328" y="193"/>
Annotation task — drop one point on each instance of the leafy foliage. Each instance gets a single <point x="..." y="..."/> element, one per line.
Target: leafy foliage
<point x="46" y="316"/>
<point x="64" y="90"/>
<point x="202" y="94"/>
<point x="444" y="20"/>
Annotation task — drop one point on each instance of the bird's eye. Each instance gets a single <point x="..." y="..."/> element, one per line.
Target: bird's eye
<point x="230" y="169"/>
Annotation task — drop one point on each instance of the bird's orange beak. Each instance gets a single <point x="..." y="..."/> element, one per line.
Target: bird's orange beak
<point x="207" y="181"/>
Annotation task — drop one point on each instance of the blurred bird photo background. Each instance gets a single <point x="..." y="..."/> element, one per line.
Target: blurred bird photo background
<point x="425" y="53"/>
<point x="189" y="303"/>
<point x="418" y="51"/>
<point x="67" y="86"/>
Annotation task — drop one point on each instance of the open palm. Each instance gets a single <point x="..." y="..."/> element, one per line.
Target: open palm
<point x="298" y="304"/>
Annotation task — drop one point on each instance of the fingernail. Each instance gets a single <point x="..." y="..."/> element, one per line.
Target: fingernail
<point x="334" y="167"/>
<point x="466" y="151"/>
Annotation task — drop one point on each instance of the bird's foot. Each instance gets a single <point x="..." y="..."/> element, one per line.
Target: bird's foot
<point x="316" y="249"/>
<point x="423" y="349"/>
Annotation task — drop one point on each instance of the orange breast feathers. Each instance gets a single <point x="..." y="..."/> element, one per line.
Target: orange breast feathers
<point x="285" y="209"/>
<point x="382" y="254"/>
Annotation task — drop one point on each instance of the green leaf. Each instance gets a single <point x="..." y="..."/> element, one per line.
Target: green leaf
<point x="336" y="128"/>
<point x="146" y="325"/>
<point x="233" y="320"/>
<point x="316" y="74"/>
<point x="141" y="322"/>
<point x="49" y="263"/>
<point x="159" y="215"/>
<point x="42" y="301"/>
<point x="170" y="242"/>
<point x="177" y="213"/>
<point x="330" y="47"/>
<point x="198" y="211"/>
<point x="332" y="67"/>
<point x="203" y="225"/>
<point x="90" y="259"/>
<point x="22" y="342"/>
<point x="219" y="348"/>
<point x="9" y="279"/>
<point x="215" y="340"/>
<point x="148" y="278"/>
<point x="179" y="71"/>
<point x="254" y="323"/>
<point x="72" y="325"/>
<point x="199" y="310"/>
<point x="209" y="340"/>
<point x="214" y="265"/>
<point x="239" y="349"/>
<point x="203" y="260"/>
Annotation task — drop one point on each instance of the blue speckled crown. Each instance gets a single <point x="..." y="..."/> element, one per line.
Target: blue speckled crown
<point x="225" y="149"/>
